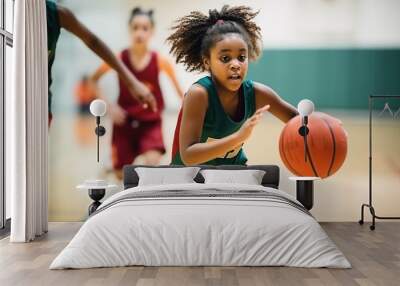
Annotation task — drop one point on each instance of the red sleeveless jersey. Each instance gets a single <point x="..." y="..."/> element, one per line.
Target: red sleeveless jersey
<point x="148" y="76"/>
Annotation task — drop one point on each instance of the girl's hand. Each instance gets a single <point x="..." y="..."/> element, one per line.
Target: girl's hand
<point x="118" y="114"/>
<point x="142" y="93"/>
<point x="247" y="128"/>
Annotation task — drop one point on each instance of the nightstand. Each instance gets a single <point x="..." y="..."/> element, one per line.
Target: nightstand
<point x="96" y="190"/>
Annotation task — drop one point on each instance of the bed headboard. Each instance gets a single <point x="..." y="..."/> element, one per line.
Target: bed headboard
<point x="270" y="179"/>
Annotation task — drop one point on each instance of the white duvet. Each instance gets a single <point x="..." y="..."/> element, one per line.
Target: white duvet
<point x="183" y="231"/>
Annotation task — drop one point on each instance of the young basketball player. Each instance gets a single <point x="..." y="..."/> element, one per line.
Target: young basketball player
<point x="137" y="131"/>
<point x="60" y="17"/>
<point x="220" y="110"/>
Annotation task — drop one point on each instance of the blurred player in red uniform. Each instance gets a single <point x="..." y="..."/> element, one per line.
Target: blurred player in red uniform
<point x="136" y="130"/>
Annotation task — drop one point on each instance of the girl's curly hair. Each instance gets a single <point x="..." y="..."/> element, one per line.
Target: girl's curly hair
<point x="193" y="35"/>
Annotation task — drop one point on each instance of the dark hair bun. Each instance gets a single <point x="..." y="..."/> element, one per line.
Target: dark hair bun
<point x="213" y="16"/>
<point x="136" y="10"/>
<point x="139" y="11"/>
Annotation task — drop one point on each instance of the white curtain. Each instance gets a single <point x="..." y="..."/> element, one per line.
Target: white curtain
<point x="26" y="123"/>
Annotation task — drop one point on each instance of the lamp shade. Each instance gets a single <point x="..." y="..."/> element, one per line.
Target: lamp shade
<point x="98" y="107"/>
<point x="305" y="107"/>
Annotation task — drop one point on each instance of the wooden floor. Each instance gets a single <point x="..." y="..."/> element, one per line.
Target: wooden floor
<point x="375" y="257"/>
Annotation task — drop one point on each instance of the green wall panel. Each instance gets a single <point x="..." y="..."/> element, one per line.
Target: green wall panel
<point x="332" y="78"/>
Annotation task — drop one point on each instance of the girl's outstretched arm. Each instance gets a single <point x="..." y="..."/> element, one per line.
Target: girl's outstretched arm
<point x="278" y="107"/>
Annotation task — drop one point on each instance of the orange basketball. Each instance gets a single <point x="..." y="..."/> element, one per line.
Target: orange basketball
<point x="326" y="141"/>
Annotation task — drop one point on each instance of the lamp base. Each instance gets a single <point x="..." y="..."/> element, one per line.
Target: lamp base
<point x="96" y="195"/>
<point x="305" y="193"/>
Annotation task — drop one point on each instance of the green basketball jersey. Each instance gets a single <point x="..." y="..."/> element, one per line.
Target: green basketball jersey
<point x="53" y="32"/>
<point x="218" y="124"/>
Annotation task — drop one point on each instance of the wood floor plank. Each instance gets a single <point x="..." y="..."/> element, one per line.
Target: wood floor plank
<point x="374" y="255"/>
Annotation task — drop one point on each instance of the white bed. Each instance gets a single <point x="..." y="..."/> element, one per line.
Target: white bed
<point x="221" y="225"/>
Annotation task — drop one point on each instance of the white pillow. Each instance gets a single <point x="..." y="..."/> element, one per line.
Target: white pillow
<point x="248" y="177"/>
<point x="164" y="176"/>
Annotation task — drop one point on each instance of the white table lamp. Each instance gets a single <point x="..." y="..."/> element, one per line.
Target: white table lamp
<point x="98" y="108"/>
<point x="305" y="108"/>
